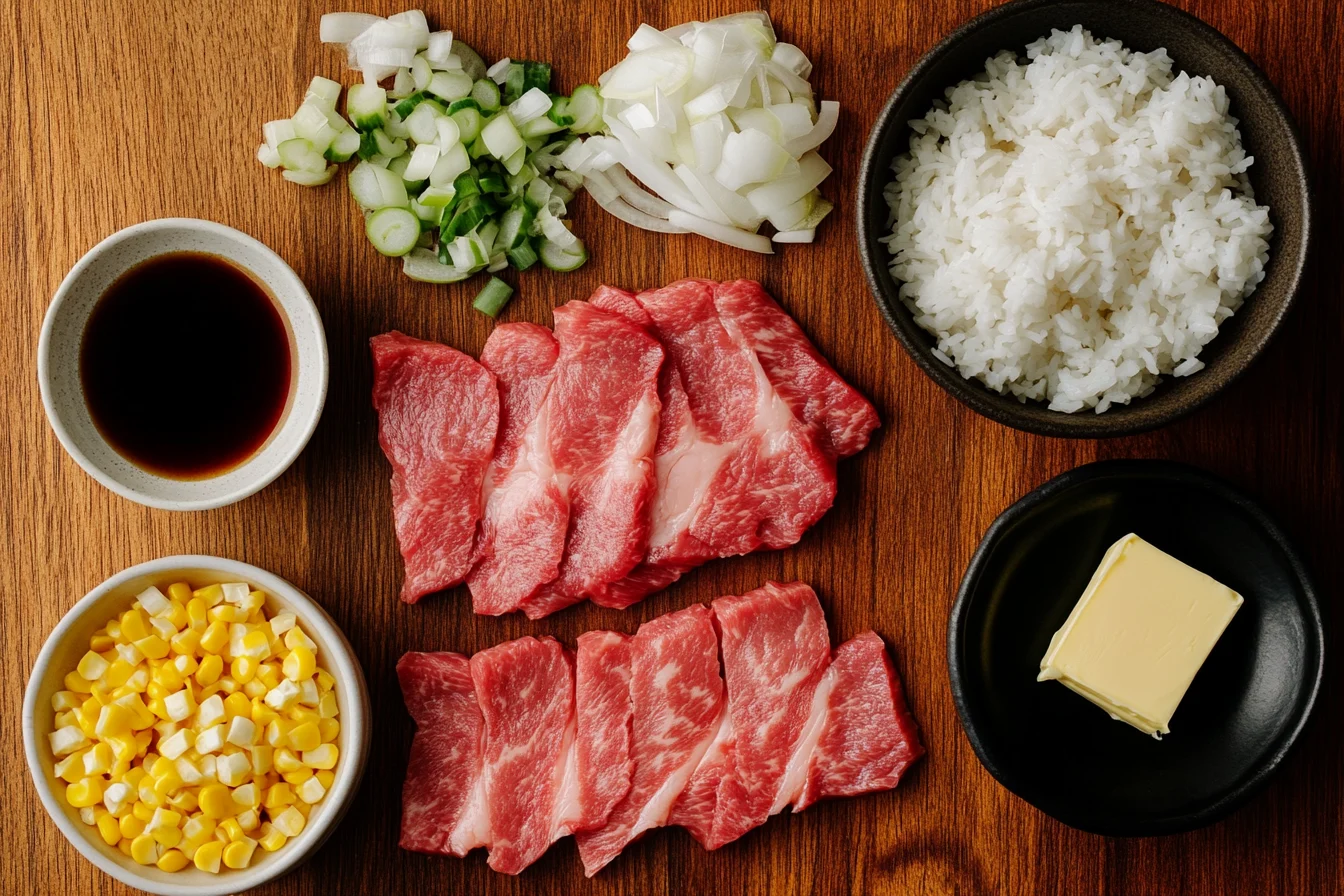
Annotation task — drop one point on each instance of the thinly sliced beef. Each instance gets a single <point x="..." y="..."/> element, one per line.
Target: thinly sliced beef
<point x="676" y="693"/>
<point x="522" y="535"/>
<point x="438" y="412"/>
<point x="442" y="805"/>
<point x="602" y="744"/>
<point x="867" y="738"/>
<point x="775" y="651"/>
<point x="842" y="419"/>
<point x="525" y="690"/>
<point x="736" y="469"/>
<point x="603" y="421"/>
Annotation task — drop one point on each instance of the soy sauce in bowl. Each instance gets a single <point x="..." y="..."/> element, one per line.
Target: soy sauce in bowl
<point x="186" y="365"/>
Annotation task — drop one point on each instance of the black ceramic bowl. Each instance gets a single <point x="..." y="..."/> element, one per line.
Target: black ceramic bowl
<point x="1065" y="756"/>
<point x="1279" y="177"/>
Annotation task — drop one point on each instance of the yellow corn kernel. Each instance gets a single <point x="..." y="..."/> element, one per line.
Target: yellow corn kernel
<point x="180" y="592"/>
<point x="92" y="666"/>
<point x="153" y="647"/>
<point x="87" y="721"/>
<point x="325" y="681"/>
<point x="167" y="784"/>
<point x="255" y="688"/>
<point x="295" y="637"/>
<point x="172" y="860"/>
<point x="327" y="777"/>
<point x="290" y="822"/>
<point x="232" y="829"/>
<point x="196" y="831"/>
<point x="133" y="777"/>
<point x="271" y="838"/>
<point x="132" y="826"/>
<point x="327" y="707"/>
<point x="168" y="678"/>
<point x="237" y="704"/>
<point x="210" y="595"/>
<point x="118" y="673"/>
<point x="65" y="700"/>
<point x="263" y="757"/>
<point x="66" y="719"/>
<point x="322" y="757"/>
<point x="208" y="856"/>
<point x="305" y="737"/>
<point x="133" y="626"/>
<point x="71" y="768"/>
<point x="75" y="682"/>
<point x="249" y="820"/>
<point x="239" y="853"/>
<point x="99" y="643"/>
<point x="330" y="729"/>
<point x="185" y="642"/>
<point x="84" y="792"/>
<point x="124" y="846"/>
<point x="262" y="714"/>
<point x="216" y="801"/>
<point x="278" y="796"/>
<point x="177" y="615"/>
<point x="225" y="613"/>
<point x="277" y="732"/>
<point x="298" y="776"/>
<point x="285" y="760"/>
<point x="148" y="800"/>
<point x="243" y="669"/>
<point x="215" y="637"/>
<point x="185" y="801"/>
<point x="145" y="850"/>
<point x="209" y="669"/>
<point x="98" y="760"/>
<point x="114" y="720"/>
<point x="256" y="645"/>
<point x="198" y="616"/>
<point x="269" y="673"/>
<point x="109" y="829"/>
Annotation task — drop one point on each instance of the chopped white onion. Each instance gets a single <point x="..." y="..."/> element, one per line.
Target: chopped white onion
<point x="440" y="47"/>
<point x="499" y="71"/>
<point x="530" y="106"/>
<point x="752" y="242"/>
<point x="609" y="200"/>
<point x="716" y="122"/>
<point x="795" y="236"/>
<point x="343" y="27"/>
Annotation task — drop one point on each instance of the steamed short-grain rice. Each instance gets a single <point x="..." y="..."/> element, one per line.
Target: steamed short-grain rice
<point x="1076" y="225"/>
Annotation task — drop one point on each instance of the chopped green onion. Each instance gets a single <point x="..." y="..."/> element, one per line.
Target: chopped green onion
<point x="522" y="256"/>
<point x="486" y="94"/>
<point x="492" y="299"/>
<point x="538" y="75"/>
<point x="515" y="81"/>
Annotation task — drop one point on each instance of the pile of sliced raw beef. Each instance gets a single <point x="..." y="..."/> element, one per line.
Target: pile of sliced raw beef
<point x="642" y="437"/>
<point x="713" y="719"/>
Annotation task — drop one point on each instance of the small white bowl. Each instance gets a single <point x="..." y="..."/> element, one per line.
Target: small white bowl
<point x="69" y="641"/>
<point x="58" y="354"/>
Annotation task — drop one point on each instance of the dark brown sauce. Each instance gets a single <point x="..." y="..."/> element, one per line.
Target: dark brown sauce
<point x="185" y="363"/>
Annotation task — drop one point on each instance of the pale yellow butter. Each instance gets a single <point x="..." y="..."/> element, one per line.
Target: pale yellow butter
<point x="1139" y="633"/>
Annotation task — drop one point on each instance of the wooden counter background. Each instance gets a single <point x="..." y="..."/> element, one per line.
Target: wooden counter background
<point x="118" y="112"/>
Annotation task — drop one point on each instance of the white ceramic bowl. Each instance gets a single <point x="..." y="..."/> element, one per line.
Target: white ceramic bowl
<point x="69" y="641"/>
<point x="58" y="354"/>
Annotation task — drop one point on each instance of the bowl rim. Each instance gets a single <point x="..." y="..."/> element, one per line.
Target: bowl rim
<point x="356" y="725"/>
<point x="311" y="412"/>
<point x="1186" y="474"/>
<point x="972" y="393"/>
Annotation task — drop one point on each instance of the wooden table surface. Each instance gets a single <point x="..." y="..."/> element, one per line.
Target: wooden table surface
<point x="123" y="111"/>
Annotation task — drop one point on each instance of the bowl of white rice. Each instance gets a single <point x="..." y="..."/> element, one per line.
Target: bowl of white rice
<point x="1084" y="218"/>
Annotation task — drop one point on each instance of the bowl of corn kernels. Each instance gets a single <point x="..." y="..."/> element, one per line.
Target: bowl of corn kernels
<point x="196" y="725"/>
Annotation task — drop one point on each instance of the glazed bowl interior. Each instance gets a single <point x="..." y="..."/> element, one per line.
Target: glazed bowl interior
<point x="59" y="351"/>
<point x="1278" y="176"/>
<point x="70" y="640"/>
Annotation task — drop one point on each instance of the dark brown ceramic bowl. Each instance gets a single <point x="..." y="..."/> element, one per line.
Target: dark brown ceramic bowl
<point x="1279" y="177"/>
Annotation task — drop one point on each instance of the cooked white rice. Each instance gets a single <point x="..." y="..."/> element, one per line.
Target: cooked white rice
<point x="1073" y="227"/>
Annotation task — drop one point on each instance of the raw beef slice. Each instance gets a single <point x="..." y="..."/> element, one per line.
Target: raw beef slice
<point x="602" y="741"/>
<point x="525" y="689"/>
<point x="776" y="648"/>
<point x="842" y="419"/>
<point x="676" y="695"/>
<point x="442" y="808"/>
<point x="603" y="420"/>
<point x="522" y="534"/>
<point x="736" y="470"/>
<point x="438" y="412"/>
<point x="867" y="737"/>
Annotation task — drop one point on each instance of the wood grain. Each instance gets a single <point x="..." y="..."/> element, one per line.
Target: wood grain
<point x="123" y="111"/>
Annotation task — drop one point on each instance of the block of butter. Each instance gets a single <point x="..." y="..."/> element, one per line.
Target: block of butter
<point x="1139" y="633"/>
